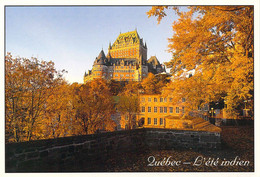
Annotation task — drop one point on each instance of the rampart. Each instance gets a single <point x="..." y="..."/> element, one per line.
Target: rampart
<point x="83" y="152"/>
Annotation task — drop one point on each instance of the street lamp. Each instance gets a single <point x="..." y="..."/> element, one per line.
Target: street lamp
<point x="245" y="103"/>
<point x="245" y="111"/>
<point x="212" y="112"/>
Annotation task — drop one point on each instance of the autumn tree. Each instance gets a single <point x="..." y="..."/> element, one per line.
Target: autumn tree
<point x="28" y="85"/>
<point x="154" y="84"/>
<point x="128" y="105"/>
<point x="40" y="104"/>
<point x="116" y="87"/>
<point x="94" y="106"/>
<point x="132" y="88"/>
<point x="216" y="43"/>
<point x="59" y="115"/>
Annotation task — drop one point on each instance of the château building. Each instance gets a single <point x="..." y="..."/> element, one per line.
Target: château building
<point x="126" y="60"/>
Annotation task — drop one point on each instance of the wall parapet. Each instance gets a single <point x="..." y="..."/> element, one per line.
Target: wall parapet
<point x="78" y="152"/>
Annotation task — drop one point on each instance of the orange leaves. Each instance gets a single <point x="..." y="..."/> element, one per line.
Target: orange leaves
<point x="94" y="106"/>
<point x="129" y="107"/>
<point x="27" y="89"/>
<point x="59" y="119"/>
<point x="40" y="104"/>
<point x="154" y="84"/>
<point x="149" y="84"/>
<point x="216" y="43"/>
<point x="157" y="11"/>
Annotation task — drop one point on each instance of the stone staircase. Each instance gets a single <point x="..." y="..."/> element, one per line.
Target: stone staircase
<point x="190" y="123"/>
<point x="203" y="125"/>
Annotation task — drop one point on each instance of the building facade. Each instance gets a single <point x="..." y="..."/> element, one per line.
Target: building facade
<point x="159" y="111"/>
<point x="156" y="109"/>
<point x="126" y="60"/>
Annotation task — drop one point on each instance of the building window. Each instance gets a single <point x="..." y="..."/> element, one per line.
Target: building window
<point x="165" y="99"/>
<point x="149" y="109"/>
<point x="183" y="99"/>
<point x="170" y="99"/>
<point x="155" y="109"/>
<point x="143" y="99"/>
<point x="171" y="109"/>
<point x="155" y="121"/>
<point x="116" y="75"/>
<point x="177" y="110"/>
<point x="149" y="120"/>
<point x="165" y="109"/>
<point x="143" y="109"/>
<point x="161" y="121"/>
<point x="161" y="109"/>
<point x="155" y="99"/>
<point x="149" y="99"/>
<point x="183" y="110"/>
<point x="161" y="99"/>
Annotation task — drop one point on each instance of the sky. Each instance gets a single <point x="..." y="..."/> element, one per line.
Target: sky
<point x="73" y="36"/>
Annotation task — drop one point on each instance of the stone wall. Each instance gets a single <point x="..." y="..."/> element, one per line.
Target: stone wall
<point x="85" y="153"/>
<point x="179" y="139"/>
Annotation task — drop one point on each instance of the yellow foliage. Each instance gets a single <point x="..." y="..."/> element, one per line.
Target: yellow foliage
<point x="40" y="104"/>
<point x="216" y="44"/>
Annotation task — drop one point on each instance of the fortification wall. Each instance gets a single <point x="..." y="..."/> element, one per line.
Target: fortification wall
<point x="84" y="152"/>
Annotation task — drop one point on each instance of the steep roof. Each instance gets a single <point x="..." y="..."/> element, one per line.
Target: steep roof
<point x="101" y="59"/>
<point x="101" y="55"/>
<point x="154" y="61"/>
<point x="126" y="37"/>
<point x="130" y="34"/>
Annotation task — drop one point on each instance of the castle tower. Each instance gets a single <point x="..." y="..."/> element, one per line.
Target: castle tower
<point x="99" y="69"/>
